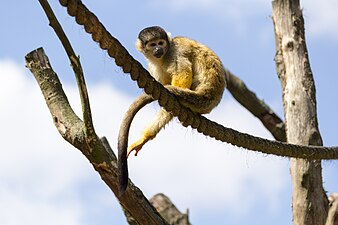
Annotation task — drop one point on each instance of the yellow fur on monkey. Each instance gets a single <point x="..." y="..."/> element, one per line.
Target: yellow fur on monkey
<point x="190" y="70"/>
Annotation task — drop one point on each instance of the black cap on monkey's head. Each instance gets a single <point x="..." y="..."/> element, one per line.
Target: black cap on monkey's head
<point x="152" y="33"/>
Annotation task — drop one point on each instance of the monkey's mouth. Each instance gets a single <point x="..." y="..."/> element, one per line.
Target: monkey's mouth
<point x="158" y="55"/>
<point x="158" y="52"/>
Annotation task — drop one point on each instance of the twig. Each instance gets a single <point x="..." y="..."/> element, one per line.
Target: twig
<point x="77" y="68"/>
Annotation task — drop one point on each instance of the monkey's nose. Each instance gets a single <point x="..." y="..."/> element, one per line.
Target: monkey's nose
<point x="158" y="52"/>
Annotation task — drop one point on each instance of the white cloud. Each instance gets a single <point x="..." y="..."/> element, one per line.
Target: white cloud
<point x="20" y="208"/>
<point x="38" y="169"/>
<point x="40" y="173"/>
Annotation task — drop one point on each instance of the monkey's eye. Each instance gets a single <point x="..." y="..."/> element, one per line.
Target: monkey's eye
<point x="160" y="43"/>
<point x="153" y="44"/>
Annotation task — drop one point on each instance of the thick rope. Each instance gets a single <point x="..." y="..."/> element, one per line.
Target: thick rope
<point x="167" y="100"/>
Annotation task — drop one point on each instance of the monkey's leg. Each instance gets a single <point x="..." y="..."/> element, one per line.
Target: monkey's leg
<point x="182" y="79"/>
<point x="160" y="120"/>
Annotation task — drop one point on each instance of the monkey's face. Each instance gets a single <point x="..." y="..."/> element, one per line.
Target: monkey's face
<point x="153" y="42"/>
<point x="156" y="48"/>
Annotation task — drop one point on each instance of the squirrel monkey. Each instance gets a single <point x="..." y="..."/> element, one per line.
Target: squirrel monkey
<point x="188" y="69"/>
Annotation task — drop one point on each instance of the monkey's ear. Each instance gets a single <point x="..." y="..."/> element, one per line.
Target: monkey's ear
<point x="169" y="36"/>
<point x="139" y="46"/>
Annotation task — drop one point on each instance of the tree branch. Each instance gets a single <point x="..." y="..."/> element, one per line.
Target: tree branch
<point x="71" y="129"/>
<point x="77" y="68"/>
<point x="309" y="201"/>
<point x="257" y="107"/>
<point x="168" y="210"/>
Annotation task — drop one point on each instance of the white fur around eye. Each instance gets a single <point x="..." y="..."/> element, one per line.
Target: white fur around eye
<point x="162" y="42"/>
<point x="151" y="45"/>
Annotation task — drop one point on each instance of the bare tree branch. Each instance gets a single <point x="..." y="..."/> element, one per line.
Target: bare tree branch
<point x="71" y="129"/>
<point x="168" y="210"/>
<point x="309" y="201"/>
<point x="257" y="107"/>
<point x="77" y="68"/>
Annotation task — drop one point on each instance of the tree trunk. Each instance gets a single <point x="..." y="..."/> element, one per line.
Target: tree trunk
<point x="309" y="202"/>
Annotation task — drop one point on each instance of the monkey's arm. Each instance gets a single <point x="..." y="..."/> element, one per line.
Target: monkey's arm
<point x="122" y="168"/>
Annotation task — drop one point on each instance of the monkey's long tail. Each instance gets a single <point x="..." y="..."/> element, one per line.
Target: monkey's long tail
<point x="122" y="164"/>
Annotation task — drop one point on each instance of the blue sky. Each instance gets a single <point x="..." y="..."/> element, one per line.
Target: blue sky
<point x="44" y="180"/>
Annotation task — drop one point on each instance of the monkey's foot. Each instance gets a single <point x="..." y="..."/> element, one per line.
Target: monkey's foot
<point x="137" y="146"/>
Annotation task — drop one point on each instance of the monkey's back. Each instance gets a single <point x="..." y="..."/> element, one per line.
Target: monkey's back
<point x="208" y="71"/>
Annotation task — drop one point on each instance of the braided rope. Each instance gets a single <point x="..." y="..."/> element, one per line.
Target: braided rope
<point x="167" y="100"/>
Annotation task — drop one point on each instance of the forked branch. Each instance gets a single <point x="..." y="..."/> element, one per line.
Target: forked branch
<point x="77" y="68"/>
<point x="71" y="128"/>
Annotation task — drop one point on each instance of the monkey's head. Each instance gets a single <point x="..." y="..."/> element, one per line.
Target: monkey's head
<point x="153" y="42"/>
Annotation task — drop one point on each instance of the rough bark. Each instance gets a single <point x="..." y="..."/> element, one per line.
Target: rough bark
<point x="169" y="211"/>
<point x="309" y="202"/>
